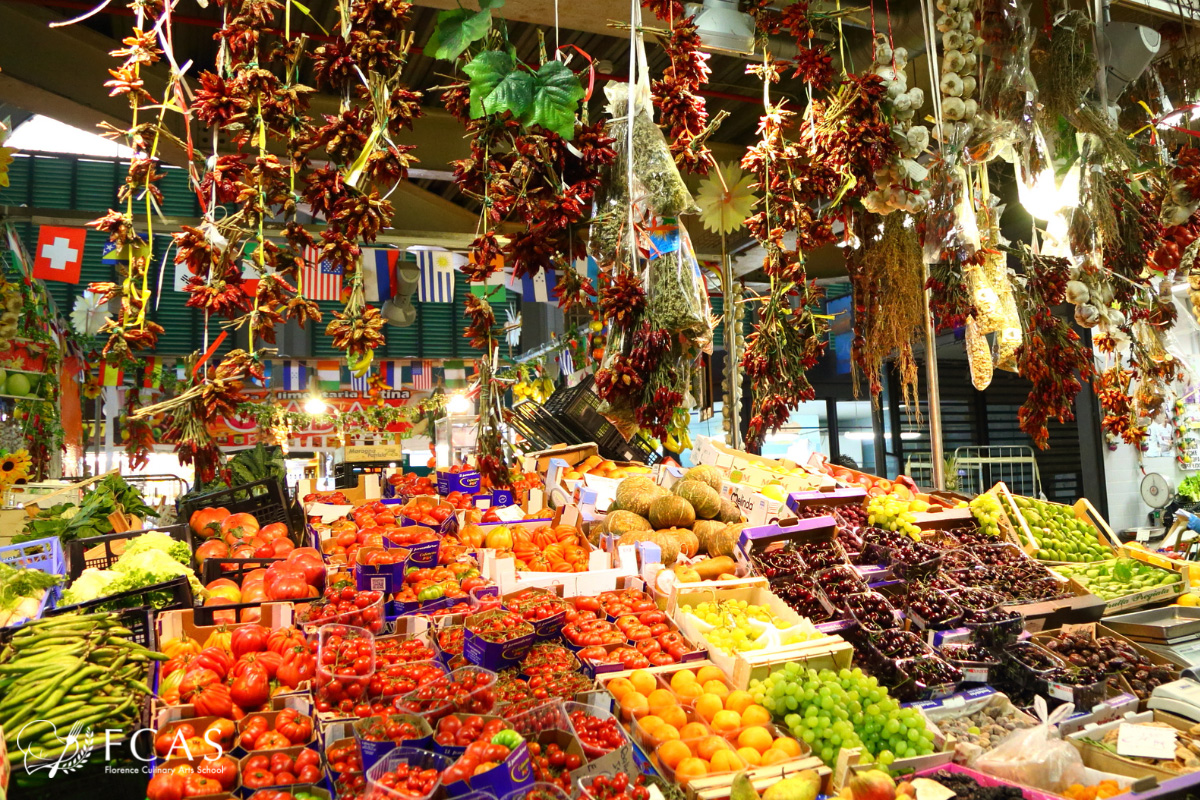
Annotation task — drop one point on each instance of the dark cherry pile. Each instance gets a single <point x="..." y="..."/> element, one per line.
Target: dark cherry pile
<point x="853" y="517"/>
<point x="976" y="599"/>
<point x="969" y="535"/>
<point x="838" y="583"/>
<point x="914" y="553"/>
<point x="776" y="562"/>
<point x="994" y="555"/>
<point x="931" y="605"/>
<point x="930" y="671"/>
<point x="959" y="559"/>
<point x="967" y="651"/>
<point x="821" y="555"/>
<point x="872" y="611"/>
<point x="899" y="644"/>
<point x="801" y="594"/>
<point x="1033" y="656"/>
<point x="1074" y="676"/>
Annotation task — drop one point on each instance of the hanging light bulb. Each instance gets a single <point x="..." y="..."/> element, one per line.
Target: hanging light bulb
<point x="1045" y="198"/>
<point x="314" y="405"/>
<point x="458" y="404"/>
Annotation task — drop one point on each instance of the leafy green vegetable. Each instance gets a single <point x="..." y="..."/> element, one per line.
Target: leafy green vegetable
<point x="149" y="567"/>
<point x="68" y="521"/>
<point x="1189" y="487"/>
<point x="21" y="592"/>
<point x="457" y="28"/>
<point x="91" y="584"/>
<point x="157" y="540"/>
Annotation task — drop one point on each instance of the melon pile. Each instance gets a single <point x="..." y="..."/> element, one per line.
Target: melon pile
<point x="691" y="518"/>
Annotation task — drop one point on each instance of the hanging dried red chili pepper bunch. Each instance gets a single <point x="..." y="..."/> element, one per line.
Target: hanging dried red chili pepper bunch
<point x="208" y="395"/>
<point x="829" y="158"/>
<point x="684" y="113"/>
<point x="138" y="430"/>
<point x="130" y="330"/>
<point x="1052" y="356"/>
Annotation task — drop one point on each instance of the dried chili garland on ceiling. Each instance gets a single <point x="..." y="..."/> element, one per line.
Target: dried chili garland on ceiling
<point x="684" y="113"/>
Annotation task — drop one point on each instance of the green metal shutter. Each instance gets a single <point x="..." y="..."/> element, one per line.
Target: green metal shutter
<point x="17" y="191"/>
<point x="718" y="308"/>
<point x="178" y="198"/>
<point x="96" y="185"/>
<point x="53" y="181"/>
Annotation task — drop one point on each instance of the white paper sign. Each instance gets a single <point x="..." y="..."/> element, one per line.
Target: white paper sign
<point x="1144" y="741"/>
<point x="510" y="513"/>
<point x="627" y="557"/>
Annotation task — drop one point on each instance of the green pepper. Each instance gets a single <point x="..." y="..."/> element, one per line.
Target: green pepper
<point x="434" y="592"/>
<point x="509" y="738"/>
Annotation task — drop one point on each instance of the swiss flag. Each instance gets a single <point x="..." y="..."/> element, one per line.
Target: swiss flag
<point x="59" y="254"/>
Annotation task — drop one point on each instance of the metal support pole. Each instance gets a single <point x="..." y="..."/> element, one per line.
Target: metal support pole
<point x="732" y="373"/>
<point x="932" y="393"/>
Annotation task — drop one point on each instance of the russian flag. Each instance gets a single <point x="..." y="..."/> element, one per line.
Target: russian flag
<point x="379" y="273"/>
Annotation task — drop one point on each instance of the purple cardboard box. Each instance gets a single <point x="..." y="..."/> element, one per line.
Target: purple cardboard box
<point x="815" y="529"/>
<point x="453" y="751"/>
<point x="466" y="482"/>
<point x="510" y="775"/>
<point x="379" y="577"/>
<point x="834" y="497"/>
<point x="496" y="655"/>
<point x="373" y="752"/>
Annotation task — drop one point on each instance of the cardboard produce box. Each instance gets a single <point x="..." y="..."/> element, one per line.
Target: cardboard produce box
<point x="1102" y="758"/>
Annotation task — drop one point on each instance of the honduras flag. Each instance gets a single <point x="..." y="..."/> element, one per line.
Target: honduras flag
<point x="293" y="376"/>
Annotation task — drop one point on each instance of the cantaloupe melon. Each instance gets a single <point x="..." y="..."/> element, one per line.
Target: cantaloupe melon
<point x="706" y="473"/>
<point x="705" y="501"/>
<point x="671" y="511"/>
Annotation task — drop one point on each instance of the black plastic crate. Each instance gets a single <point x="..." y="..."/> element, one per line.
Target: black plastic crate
<point x="235" y="569"/>
<point x="78" y="561"/>
<point x="267" y="500"/>
<point x="537" y="425"/>
<point x="177" y="591"/>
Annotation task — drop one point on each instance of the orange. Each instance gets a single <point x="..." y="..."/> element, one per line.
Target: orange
<point x="650" y="723"/>
<point x="680" y="678"/>
<point x="690" y="768"/>
<point x="755" y="715"/>
<point x="774" y="756"/>
<point x="738" y="700"/>
<point x="726" y="761"/>
<point x="750" y="756"/>
<point x="757" y="737"/>
<point x="707" y="706"/>
<point x="710" y="673"/>
<point x="671" y="752"/>
<point x="689" y="691"/>
<point x="674" y="715"/>
<point x="661" y="699"/>
<point x="643" y="681"/>
<point x="710" y="745"/>
<point x="718" y="688"/>
<point x="725" y="722"/>
<point x="633" y="704"/>
<point x="693" y="730"/>
<point x="617" y="687"/>
<point x="664" y="732"/>
<point x="788" y="745"/>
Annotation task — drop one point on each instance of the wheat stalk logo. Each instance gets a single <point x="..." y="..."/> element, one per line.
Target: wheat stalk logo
<point x="76" y="748"/>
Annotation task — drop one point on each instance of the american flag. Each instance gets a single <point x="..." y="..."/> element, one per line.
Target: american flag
<point x="322" y="279"/>
<point x="422" y="375"/>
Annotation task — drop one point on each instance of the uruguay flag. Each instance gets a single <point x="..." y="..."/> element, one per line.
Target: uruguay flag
<point x="379" y="273"/>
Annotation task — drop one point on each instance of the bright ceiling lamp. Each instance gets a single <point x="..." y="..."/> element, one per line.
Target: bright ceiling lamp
<point x="722" y="26"/>
<point x="314" y="405"/>
<point x="1045" y="197"/>
<point x="46" y="135"/>
<point x="458" y="404"/>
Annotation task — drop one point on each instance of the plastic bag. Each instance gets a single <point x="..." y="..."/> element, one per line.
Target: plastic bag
<point x="1008" y="96"/>
<point x="1037" y="756"/>
<point x="676" y="294"/>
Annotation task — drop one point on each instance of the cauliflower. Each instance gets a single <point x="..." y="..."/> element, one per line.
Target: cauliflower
<point x="90" y="584"/>
<point x="148" y="567"/>
<point x="157" y="540"/>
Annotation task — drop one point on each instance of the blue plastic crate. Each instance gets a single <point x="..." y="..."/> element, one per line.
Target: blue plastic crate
<point x="44" y="554"/>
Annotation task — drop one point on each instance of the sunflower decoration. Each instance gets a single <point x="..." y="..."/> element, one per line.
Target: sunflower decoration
<point x="725" y="198"/>
<point x="14" y="467"/>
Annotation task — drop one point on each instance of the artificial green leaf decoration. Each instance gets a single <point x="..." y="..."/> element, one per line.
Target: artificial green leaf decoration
<point x="514" y="94"/>
<point x="557" y="93"/>
<point x="486" y="71"/>
<point x="457" y="28"/>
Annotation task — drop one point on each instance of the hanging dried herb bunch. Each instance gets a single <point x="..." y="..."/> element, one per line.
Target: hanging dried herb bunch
<point x="1052" y="356"/>
<point x="1064" y="66"/>
<point x="886" y="274"/>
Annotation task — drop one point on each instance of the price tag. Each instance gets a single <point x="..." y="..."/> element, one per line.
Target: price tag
<point x="510" y="513"/>
<point x="1060" y="691"/>
<point x="1144" y="741"/>
<point x="656" y="793"/>
<point x="627" y="558"/>
<point x="975" y="674"/>
<point x="379" y="583"/>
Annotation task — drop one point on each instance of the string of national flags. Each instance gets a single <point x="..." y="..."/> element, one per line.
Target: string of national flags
<point x="328" y="375"/>
<point x="387" y="272"/>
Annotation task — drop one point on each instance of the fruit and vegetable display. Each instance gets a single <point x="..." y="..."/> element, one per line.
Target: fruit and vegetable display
<point x="24" y="592"/>
<point x="398" y="671"/>
<point x="1121" y="576"/>
<point x="91" y="517"/>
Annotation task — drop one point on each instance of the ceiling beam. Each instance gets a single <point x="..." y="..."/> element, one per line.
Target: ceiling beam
<point x="587" y="17"/>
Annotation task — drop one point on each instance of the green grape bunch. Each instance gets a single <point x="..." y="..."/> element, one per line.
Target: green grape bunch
<point x="830" y="710"/>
